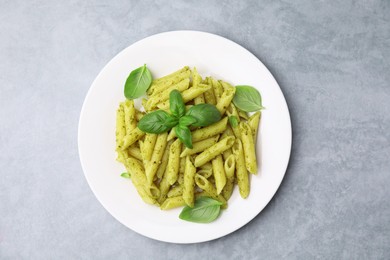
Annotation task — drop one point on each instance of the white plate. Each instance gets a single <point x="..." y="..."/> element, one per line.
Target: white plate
<point x="163" y="53"/>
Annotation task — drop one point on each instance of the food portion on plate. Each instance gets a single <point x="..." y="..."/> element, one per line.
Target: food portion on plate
<point x="192" y="142"/>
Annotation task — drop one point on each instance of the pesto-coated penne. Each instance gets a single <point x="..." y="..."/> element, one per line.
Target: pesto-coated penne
<point x="219" y="173"/>
<point x="189" y="183"/>
<point x="164" y="161"/>
<point x="187" y="95"/>
<point x="139" y="180"/>
<point x="199" y="99"/>
<point x="208" y="188"/>
<point x="209" y="94"/>
<point x="130" y="118"/>
<point x="164" y="95"/>
<point x="120" y="131"/>
<point x="253" y="122"/>
<point x="205" y="172"/>
<point x="134" y="152"/>
<point x="218" y="89"/>
<point x="226" y="99"/>
<point x="172" y="78"/>
<point x="229" y="166"/>
<point x="149" y="143"/>
<point x="175" y="191"/>
<point x="131" y="138"/>
<point x="200" y="146"/>
<point x="156" y="157"/>
<point x="173" y="202"/>
<point x="211" y="152"/>
<point x="209" y="131"/>
<point x="173" y="162"/>
<point x="241" y="172"/>
<point x="248" y="147"/>
<point x="157" y="87"/>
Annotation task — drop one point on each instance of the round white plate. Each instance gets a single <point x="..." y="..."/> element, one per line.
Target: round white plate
<point x="164" y="53"/>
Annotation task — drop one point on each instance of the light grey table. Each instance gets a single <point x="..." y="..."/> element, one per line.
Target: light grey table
<point x="332" y="61"/>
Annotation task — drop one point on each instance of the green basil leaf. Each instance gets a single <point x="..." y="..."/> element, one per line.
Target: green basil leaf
<point x="126" y="175"/>
<point x="187" y="120"/>
<point x="205" y="114"/>
<point x="184" y="134"/>
<point x="247" y="98"/>
<point x="233" y="121"/>
<point x="157" y="122"/>
<point x="176" y="104"/>
<point x="138" y="82"/>
<point x="205" y="210"/>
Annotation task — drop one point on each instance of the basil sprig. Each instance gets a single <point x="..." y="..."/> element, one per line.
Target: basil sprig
<point x="247" y="98"/>
<point x="138" y="82"/>
<point x="161" y="121"/>
<point x="205" y="210"/>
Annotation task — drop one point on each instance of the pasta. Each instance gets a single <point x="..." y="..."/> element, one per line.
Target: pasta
<point x="167" y="174"/>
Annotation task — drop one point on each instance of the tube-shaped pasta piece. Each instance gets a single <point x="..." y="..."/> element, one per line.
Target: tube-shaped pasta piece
<point x="120" y="132"/>
<point x="207" y="166"/>
<point x="225" y="99"/>
<point x="218" y="89"/>
<point x="214" y="150"/>
<point x="164" y="95"/>
<point x="139" y="115"/>
<point x="229" y="166"/>
<point x="189" y="183"/>
<point x="208" y="188"/>
<point x="243" y="114"/>
<point x="130" y="120"/>
<point x="135" y="152"/>
<point x="131" y="138"/>
<point x="172" y="134"/>
<point x="175" y="191"/>
<point x="187" y="95"/>
<point x="149" y="143"/>
<point x="139" y="180"/>
<point x="164" y="188"/>
<point x="205" y="172"/>
<point x="161" y="86"/>
<point x="253" y="122"/>
<point x="231" y="110"/>
<point x="219" y="173"/>
<point x="209" y="131"/>
<point x="172" y="78"/>
<point x="164" y="161"/>
<point x="199" y="99"/>
<point x="209" y="94"/>
<point x="241" y="172"/>
<point x="249" y="147"/>
<point x="228" y="132"/>
<point x="155" y="161"/>
<point x="173" y="162"/>
<point x="173" y="202"/>
<point x="200" y="146"/>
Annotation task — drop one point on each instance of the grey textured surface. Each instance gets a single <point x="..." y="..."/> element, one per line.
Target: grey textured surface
<point x="331" y="60"/>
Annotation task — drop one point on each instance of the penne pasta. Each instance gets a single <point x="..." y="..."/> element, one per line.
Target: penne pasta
<point x="226" y="99"/>
<point x="187" y="95"/>
<point x="173" y="162"/>
<point x="175" y="191"/>
<point x="248" y="147"/>
<point x="253" y="122"/>
<point x="130" y="119"/>
<point x="120" y="132"/>
<point x="241" y="172"/>
<point x="211" y="152"/>
<point x="164" y="161"/>
<point x="173" y="202"/>
<point x="208" y="188"/>
<point x="188" y="186"/>
<point x="200" y="146"/>
<point x="229" y="166"/>
<point x="131" y="138"/>
<point x="209" y="94"/>
<point x="155" y="160"/>
<point x="219" y="173"/>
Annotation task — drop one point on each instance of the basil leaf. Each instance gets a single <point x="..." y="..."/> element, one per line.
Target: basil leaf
<point x="205" y="114"/>
<point x="176" y="104"/>
<point x="157" y="122"/>
<point x="138" y="82"/>
<point x="184" y="134"/>
<point x="187" y="120"/>
<point x="126" y="175"/>
<point x="205" y="210"/>
<point x="247" y="98"/>
<point x="233" y="121"/>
